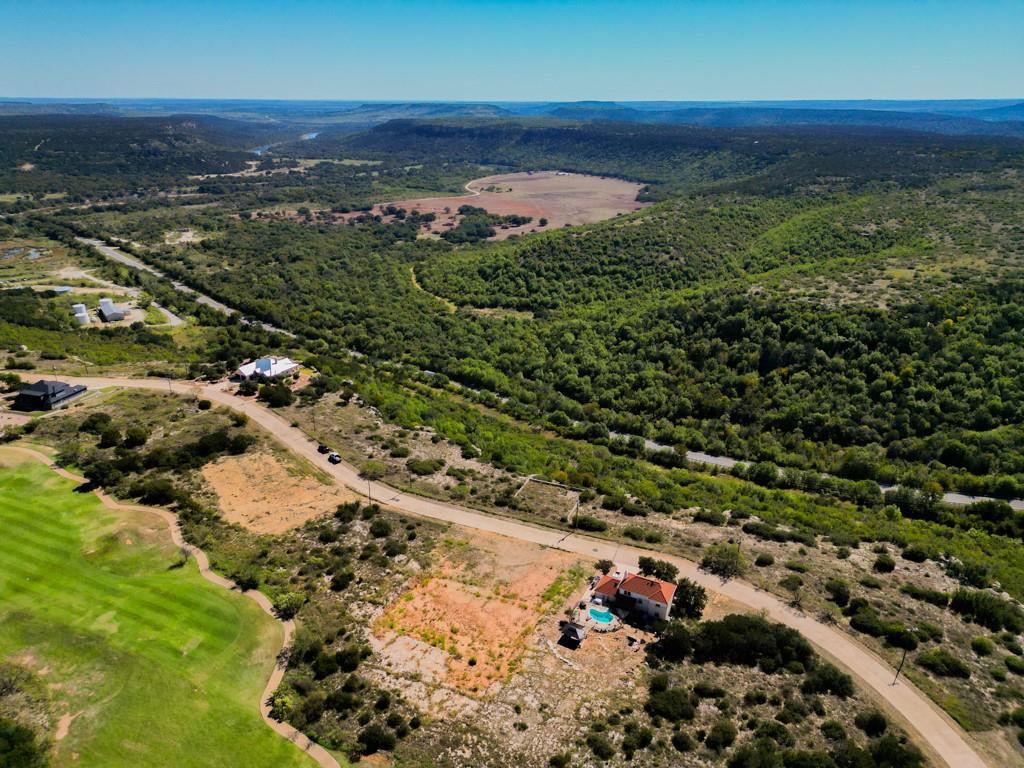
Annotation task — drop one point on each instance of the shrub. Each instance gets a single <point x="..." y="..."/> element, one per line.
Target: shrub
<point x="600" y="746"/>
<point x="764" y="559"/>
<point x="709" y="516"/>
<point x="987" y="609"/>
<point x="18" y="746"/>
<point x="891" y="751"/>
<point x="982" y="646"/>
<point x="725" y="560"/>
<point x="604" y="566"/>
<point x="914" y="554"/>
<point x="673" y="704"/>
<point x="588" y="523"/>
<point x="827" y="678"/>
<point x="797" y="567"/>
<point x="885" y="564"/>
<point x="1015" y="664"/>
<point x="423" y="467"/>
<point x="204" y="405"/>
<point x="374" y="738"/>
<point x="792" y="582"/>
<point x="683" y="742"/>
<point x="705" y="690"/>
<point x="838" y="592"/>
<point x="933" y="596"/>
<point x="872" y="722"/>
<point x="721" y="735"/>
<point x="943" y="664"/>
<point x="380" y="528"/>
<point x="833" y="730"/>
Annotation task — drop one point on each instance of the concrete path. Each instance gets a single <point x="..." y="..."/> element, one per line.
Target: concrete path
<point x="314" y="750"/>
<point x="942" y="738"/>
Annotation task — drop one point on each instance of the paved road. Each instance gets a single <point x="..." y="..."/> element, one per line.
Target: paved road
<point x="314" y="750"/>
<point x="697" y="457"/>
<point x="937" y="732"/>
<point x="116" y="254"/>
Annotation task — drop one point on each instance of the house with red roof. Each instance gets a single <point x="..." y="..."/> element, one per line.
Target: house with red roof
<point x="644" y="594"/>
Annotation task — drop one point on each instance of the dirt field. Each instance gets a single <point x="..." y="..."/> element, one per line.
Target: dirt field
<point x="258" y="492"/>
<point x="465" y="625"/>
<point x="561" y="198"/>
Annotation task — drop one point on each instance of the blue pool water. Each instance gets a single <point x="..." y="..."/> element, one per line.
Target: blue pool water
<point x="601" y="616"/>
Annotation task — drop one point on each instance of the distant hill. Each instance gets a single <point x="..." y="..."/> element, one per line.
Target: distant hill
<point x="764" y="117"/>
<point x="1012" y="112"/>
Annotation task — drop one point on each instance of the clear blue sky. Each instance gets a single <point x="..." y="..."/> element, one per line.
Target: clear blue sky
<point x="513" y="50"/>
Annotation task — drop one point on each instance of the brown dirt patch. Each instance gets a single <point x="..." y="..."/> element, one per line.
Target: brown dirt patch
<point x="258" y="492"/>
<point x="466" y="625"/>
<point x="561" y="198"/>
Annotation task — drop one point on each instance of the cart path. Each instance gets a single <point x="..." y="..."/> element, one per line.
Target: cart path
<point x="311" y="748"/>
<point x="935" y="731"/>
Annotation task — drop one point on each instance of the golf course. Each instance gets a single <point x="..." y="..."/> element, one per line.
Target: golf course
<point x="145" y="662"/>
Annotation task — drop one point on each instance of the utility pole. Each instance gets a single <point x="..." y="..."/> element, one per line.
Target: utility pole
<point x="900" y="667"/>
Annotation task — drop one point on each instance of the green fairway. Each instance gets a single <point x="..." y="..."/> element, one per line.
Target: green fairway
<point x="164" y="668"/>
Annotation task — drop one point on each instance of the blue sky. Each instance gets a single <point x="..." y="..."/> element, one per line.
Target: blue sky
<point x="513" y="50"/>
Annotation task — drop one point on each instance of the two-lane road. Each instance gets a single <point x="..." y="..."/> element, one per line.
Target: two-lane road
<point x="942" y="738"/>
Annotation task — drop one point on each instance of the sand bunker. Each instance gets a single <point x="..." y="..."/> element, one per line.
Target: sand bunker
<point x="258" y="492"/>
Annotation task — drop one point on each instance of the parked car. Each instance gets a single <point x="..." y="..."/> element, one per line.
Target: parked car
<point x="334" y="457"/>
<point x="323" y="448"/>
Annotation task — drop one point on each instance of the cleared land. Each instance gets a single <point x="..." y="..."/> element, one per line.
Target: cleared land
<point x="259" y="492"/>
<point x="561" y="198"/>
<point x="144" y="659"/>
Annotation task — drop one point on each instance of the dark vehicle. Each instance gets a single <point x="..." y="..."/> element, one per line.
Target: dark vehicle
<point x="334" y="458"/>
<point x="323" y="448"/>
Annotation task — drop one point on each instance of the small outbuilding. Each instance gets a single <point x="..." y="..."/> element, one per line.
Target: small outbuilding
<point x="47" y="395"/>
<point x="573" y="634"/>
<point x="109" y="312"/>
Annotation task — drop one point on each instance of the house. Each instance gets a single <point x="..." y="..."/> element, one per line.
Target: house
<point x="81" y="314"/>
<point x="109" y="311"/>
<point x="267" y="368"/>
<point x="47" y="395"/>
<point x="643" y="594"/>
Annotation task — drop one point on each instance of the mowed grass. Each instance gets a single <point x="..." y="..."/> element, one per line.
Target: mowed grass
<point x="164" y="667"/>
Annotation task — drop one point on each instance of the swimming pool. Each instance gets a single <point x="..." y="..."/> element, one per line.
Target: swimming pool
<point x="601" y="615"/>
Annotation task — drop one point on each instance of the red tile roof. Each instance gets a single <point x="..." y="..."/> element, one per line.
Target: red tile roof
<point x="653" y="589"/>
<point x="607" y="586"/>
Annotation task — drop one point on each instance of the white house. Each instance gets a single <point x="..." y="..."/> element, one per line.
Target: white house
<point x="267" y="368"/>
<point x="645" y="594"/>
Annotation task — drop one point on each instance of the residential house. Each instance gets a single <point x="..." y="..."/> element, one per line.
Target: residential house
<point x="267" y="368"/>
<point x="47" y="395"/>
<point x="643" y="594"/>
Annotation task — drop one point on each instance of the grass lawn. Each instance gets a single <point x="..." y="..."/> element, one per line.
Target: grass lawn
<point x="164" y="667"/>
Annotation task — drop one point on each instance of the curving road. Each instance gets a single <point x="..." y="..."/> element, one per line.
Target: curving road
<point x="935" y="731"/>
<point x="314" y="750"/>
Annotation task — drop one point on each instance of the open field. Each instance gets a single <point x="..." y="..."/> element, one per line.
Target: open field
<point x="260" y="493"/>
<point x="142" y="657"/>
<point x="564" y="199"/>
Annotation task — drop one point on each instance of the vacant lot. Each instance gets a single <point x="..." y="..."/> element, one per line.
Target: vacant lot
<point x="143" y="658"/>
<point x="465" y="624"/>
<point x="258" y="491"/>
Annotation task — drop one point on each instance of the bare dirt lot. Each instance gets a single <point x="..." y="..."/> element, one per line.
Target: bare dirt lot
<point x="258" y="492"/>
<point x="465" y="625"/>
